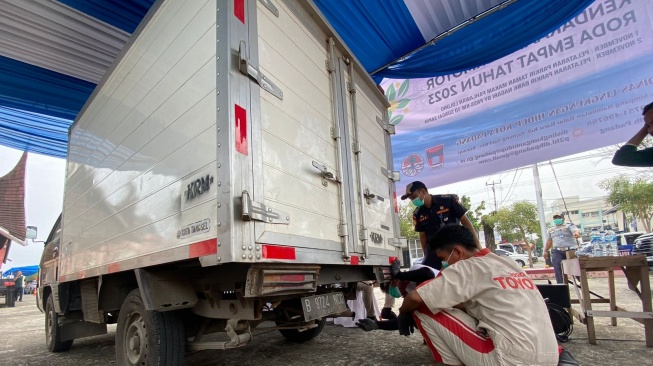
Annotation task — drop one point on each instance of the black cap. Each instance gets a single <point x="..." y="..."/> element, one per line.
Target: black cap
<point x="412" y="187"/>
<point x="558" y="214"/>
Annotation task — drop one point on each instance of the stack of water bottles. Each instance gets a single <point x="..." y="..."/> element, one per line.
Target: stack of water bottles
<point x="604" y="243"/>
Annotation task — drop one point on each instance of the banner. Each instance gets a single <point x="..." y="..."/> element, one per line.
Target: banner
<point x="580" y="88"/>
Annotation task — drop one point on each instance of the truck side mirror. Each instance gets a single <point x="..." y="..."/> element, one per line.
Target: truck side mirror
<point x="30" y="232"/>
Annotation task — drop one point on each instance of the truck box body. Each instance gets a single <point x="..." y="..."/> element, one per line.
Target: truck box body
<point x="233" y="132"/>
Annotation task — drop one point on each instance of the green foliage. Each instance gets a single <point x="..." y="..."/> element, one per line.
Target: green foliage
<point x="633" y="196"/>
<point x="406" y="226"/>
<point x="474" y="215"/>
<point x="515" y="222"/>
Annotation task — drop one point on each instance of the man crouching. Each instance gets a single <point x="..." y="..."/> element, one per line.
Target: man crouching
<point x="482" y="309"/>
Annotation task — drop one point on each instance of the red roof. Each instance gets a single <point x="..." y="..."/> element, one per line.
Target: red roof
<point x="12" y="200"/>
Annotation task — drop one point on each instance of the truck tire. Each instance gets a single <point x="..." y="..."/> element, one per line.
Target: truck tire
<point x="53" y="330"/>
<point x="296" y="336"/>
<point x="521" y="263"/>
<point x="148" y="338"/>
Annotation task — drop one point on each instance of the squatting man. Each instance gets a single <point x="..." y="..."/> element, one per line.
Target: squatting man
<point x="480" y="310"/>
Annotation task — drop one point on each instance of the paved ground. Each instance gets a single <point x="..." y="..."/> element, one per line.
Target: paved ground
<point x="22" y="335"/>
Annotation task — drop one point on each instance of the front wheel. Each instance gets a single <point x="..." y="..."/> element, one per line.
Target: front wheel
<point x="521" y="263"/>
<point x="148" y="337"/>
<point x="53" y="330"/>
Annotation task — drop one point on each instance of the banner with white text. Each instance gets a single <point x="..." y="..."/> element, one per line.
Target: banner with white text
<point x="580" y="88"/>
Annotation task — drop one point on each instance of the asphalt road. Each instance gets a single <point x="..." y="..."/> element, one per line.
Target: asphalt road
<point x="23" y="343"/>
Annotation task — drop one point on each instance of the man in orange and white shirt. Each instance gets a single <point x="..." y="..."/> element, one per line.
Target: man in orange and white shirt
<point x="482" y="309"/>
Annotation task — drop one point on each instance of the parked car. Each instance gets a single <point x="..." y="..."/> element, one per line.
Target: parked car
<point x="629" y="238"/>
<point x="516" y="249"/>
<point x="520" y="258"/>
<point x="644" y="245"/>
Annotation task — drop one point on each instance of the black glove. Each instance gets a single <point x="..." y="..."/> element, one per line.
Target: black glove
<point x="406" y="324"/>
<point x="395" y="268"/>
<point x="367" y="324"/>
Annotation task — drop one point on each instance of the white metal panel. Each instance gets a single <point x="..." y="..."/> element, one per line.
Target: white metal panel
<point x="378" y="213"/>
<point x="297" y="129"/>
<point x="112" y="105"/>
<point x="149" y="131"/>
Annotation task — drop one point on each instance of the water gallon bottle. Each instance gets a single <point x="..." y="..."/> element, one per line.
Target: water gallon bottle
<point x="596" y="241"/>
<point x="610" y="242"/>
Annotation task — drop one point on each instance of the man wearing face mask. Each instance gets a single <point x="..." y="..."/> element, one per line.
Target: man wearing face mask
<point x="562" y="237"/>
<point x="481" y="310"/>
<point x="433" y="212"/>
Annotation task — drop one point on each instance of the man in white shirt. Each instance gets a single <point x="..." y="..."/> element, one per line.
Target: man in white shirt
<point x="481" y="310"/>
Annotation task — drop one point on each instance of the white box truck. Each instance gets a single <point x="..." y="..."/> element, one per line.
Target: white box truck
<point x="232" y="168"/>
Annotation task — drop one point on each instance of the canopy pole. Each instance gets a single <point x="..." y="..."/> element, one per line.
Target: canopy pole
<point x="540" y="205"/>
<point x="447" y="33"/>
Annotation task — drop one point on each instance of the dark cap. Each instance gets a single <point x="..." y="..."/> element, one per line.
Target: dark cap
<point x="412" y="187"/>
<point x="558" y="214"/>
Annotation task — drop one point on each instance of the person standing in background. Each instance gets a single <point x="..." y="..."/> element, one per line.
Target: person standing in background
<point x="20" y="285"/>
<point x="628" y="155"/>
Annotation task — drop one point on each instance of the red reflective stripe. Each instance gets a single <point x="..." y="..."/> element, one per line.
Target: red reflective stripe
<point x="396" y="204"/>
<point x="203" y="248"/>
<point x="241" y="130"/>
<point x="354" y="260"/>
<point x="469" y="336"/>
<point x="278" y="252"/>
<point x="113" y="267"/>
<point x="482" y="252"/>
<point x="392" y="259"/>
<point x="436" y="355"/>
<point x="239" y="10"/>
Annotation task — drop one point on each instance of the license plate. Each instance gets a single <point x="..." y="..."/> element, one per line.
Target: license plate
<point x="319" y="306"/>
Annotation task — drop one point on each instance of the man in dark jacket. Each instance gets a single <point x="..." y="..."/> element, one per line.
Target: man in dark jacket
<point x="628" y="155"/>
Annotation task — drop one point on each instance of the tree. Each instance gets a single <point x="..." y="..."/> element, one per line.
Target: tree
<point x="406" y="225"/>
<point x="516" y="222"/>
<point x="633" y="195"/>
<point x="475" y="216"/>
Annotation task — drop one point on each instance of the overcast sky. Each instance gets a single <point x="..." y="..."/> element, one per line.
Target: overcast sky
<point x="578" y="176"/>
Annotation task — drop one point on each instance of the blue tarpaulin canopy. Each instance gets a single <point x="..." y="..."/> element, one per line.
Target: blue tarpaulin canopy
<point x="53" y="53"/>
<point x="27" y="271"/>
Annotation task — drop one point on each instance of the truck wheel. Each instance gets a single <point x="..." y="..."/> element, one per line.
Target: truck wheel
<point x="521" y="263"/>
<point x="296" y="336"/>
<point x="53" y="330"/>
<point x="148" y="337"/>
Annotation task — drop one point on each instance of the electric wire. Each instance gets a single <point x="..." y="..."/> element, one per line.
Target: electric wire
<point x="564" y="202"/>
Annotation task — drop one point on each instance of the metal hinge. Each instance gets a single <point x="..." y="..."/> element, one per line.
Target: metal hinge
<point x="253" y="210"/>
<point x="248" y="69"/>
<point x="398" y="242"/>
<point x="369" y="196"/>
<point x="326" y="174"/>
<point x="268" y="4"/>
<point x="388" y="128"/>
<point x="392" y="175"/>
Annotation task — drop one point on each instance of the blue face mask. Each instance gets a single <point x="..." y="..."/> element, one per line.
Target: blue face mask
<point x="445" y="265"/>
<point x="394" y="292"/>
<point x="418" y="202"/>
<point x="558" y="221"/>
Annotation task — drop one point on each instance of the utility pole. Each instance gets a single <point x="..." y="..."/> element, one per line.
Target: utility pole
<point x="494" y="192"/>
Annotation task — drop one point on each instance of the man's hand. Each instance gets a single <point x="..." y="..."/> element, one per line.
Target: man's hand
<point x="395" y="268"/>
<point x="545" y="254"/>
<point x="406" y="324"/>
<point x="577" y="234"/>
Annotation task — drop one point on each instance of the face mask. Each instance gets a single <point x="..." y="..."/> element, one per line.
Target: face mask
<point x="394" y="292"/>
<point x="557" y="221"/>
<point x="418" y="202"/>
